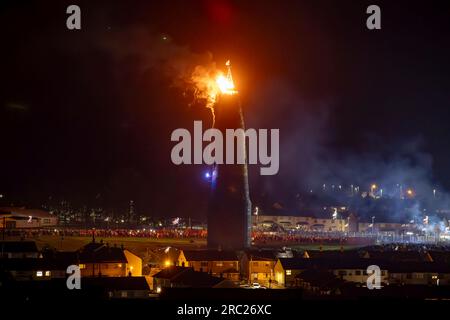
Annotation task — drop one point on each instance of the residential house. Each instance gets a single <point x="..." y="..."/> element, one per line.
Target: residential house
<point x="186" y="277"/>
<point x="100" y="259"/>
<point x="18" y="249"/>
<point x="257" y="266"/>
<point x="420" y="273"/>
<point x="22" y="218"/>
<point x="347" y="269"/>
<point x="118" y="287"/>
<point x="319" y="282"/>
<point x="215" y="262"/>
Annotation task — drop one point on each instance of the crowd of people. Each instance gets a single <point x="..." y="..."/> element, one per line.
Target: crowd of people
<point x="108" y="233"/>
<point x="305" y="237"/>
<point x="258" y="237"/>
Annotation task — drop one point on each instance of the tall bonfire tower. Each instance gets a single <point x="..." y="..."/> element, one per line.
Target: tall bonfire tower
<point x="229" y="212"/>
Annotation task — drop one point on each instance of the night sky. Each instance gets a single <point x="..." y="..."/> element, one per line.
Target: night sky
<point x="86" y="116"/>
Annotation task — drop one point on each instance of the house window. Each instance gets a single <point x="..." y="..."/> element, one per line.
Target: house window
<point x="47" y="273"/>
<point x="342" y="272"/>
<point x="219" y="264"/>
<point x="82" y="266"/>
<point x="255" y="263"/>
<point x="39" y="273"/>
<point x="288" y="272"/>
<point x="204" y="263"/>
<point x="358" y="272"/>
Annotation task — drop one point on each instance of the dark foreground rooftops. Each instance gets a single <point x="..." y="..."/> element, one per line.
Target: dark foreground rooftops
<point x="210" y="255"/>
<point x="18" y="246"/>
<point x="99" y="252"/>
<point x="187" y="277"/>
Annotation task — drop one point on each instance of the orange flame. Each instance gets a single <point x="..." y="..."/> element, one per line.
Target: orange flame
<point x="210" y="86"/>
<point x="226" y="86"/>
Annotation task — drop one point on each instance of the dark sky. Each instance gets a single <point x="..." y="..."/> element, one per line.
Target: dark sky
<point x="84" y="121"/>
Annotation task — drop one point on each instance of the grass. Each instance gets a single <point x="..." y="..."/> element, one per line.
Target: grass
<point x="137" y="245"/>
<point x="141" y="246"/>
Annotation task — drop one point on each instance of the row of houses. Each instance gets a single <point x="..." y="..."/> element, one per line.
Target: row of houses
<point x="108" y="271"/>
<point x="25" y="261"/>
<point x="273" y="269"/>
<point x="317" y="271"/>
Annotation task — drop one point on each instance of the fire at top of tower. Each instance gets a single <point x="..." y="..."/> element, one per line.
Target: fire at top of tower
<point x="226" y="83"/>
<point x="211" y="84"/>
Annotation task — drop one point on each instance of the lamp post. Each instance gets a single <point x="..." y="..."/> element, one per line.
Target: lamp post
<point x="372" y="189"/>
<point x="373" y="224"/>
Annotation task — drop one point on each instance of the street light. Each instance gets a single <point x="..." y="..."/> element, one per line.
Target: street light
<point x="373" y="223"/>
<point x="256" y="214"/>
<point x="372" y="189"/>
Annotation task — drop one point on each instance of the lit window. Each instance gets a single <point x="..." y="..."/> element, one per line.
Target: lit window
<point x="119" y="265"/>
<point x="38" y="273"/>
<point x="47" y="273"/>
<point x="288" y="272"/>
<point x="219" y="264"/>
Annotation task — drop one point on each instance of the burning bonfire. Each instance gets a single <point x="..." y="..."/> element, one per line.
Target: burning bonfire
<point x="209" y="85"/>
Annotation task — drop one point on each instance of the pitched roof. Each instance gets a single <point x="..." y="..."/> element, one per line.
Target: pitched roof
<point x="18" y="246"/>
<point x="440" y="256"/>
<point x="410" y="267"/>
<point x="404" y="256"/>
<point x="22" y="212"/>
<point x="98" y="252"/>
<point x="320" y="278"/>
<point x="210" y="255"/>
<point x="33" y="264"/>
<point x="330" y="263"/>
<point x="261" y="255"/>
<point x="170" y="272"/>
<point x="362" y="264"/>
<point x="187" y="277"/>
<point x="197" y="279"/>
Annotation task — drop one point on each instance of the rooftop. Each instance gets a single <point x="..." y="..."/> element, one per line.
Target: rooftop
<point x="210" y="255"/>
